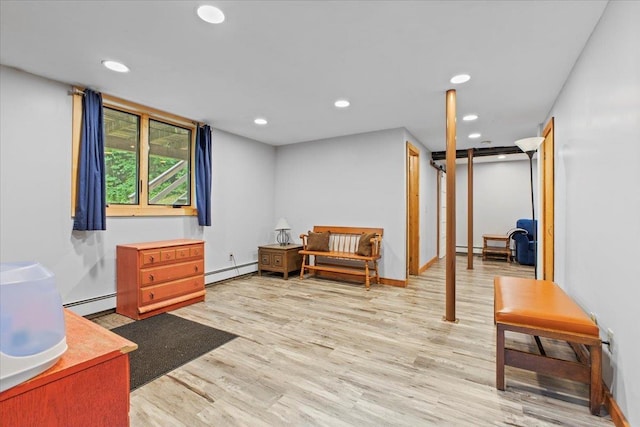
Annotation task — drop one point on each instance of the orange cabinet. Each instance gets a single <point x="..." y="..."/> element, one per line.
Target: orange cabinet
<point x="155" y="277"/>
<point x="88" y="386"/>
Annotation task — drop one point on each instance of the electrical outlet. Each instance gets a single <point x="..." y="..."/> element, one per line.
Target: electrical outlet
<point x="610" y="339"/>
<point x="593" y="317"/>
<point x="230" y="256"/>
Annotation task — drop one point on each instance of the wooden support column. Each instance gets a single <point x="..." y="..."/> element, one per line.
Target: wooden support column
<point x="470" y="209"/>
<point x="450" y="314"/>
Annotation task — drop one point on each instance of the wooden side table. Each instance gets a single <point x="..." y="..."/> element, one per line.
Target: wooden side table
<point x="279" y="258"/>
<point x="501" y="249"/>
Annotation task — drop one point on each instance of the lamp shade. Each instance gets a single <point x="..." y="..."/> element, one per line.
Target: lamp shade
<point x="529" y="144"/>
<point x="282" y="225"/>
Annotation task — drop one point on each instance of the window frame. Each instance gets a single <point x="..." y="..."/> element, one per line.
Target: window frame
<point x="145" y="113"/>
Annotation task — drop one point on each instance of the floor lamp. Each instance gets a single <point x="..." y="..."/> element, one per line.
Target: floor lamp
<point x="530" y="146"/>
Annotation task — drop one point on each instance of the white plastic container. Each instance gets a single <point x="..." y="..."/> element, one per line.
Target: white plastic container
<point x="32" y="331"/>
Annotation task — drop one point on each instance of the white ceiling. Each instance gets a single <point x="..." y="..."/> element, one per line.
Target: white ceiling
<point x="289" y="60"/>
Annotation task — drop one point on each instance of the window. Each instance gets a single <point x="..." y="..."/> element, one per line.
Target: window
<point x="122" y="145"/>
<point x="149" y="158"/>
<point x="169" y="164"/>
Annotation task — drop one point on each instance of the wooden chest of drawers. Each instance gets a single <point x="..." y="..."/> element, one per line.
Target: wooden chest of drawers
<point x="155" y="277"/>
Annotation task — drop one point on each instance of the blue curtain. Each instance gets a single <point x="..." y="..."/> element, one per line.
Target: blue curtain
<point x="91" y="191"/>
<point x="203" y="174"/>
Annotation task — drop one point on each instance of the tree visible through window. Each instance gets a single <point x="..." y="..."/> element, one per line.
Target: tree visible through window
<point x="169" y="164"/>
<point x="148" y="159"/>
<point x="122" y="145"/>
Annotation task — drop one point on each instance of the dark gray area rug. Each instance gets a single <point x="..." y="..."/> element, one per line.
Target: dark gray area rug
<point x="166" y="342"/>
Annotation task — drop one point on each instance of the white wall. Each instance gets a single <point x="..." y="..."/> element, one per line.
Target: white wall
<point x="355" y="180"/>
<point x="242" y="202"/>
<point x="597" y="142"/>
<point x="502" y="195"/>
<point x="35" y="216"/>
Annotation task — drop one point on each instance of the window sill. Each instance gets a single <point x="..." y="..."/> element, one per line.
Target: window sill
<point x="151" y="211"/>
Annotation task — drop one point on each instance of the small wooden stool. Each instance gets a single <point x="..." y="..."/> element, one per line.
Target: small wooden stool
<point x="502" y="249"/>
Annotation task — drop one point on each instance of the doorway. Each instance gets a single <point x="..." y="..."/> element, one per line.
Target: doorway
<point x="548" y="185"/>
<point x="413" y="210"/>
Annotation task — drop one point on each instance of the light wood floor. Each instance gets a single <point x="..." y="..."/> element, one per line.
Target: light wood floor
<point x="319" y="352"/>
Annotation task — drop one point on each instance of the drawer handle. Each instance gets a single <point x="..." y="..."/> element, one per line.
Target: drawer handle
<point x="151" y="258"/>
<point x="151" y="278"/>
<point x="196" y="268"/>
<point x="151" y="295"/>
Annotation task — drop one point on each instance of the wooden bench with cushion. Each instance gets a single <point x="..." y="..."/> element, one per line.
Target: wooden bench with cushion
<point x="343" y="250"/>
<point x="542" y="308"/>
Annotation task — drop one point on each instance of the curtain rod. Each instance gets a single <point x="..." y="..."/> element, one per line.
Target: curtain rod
<point x="75" y="91"/>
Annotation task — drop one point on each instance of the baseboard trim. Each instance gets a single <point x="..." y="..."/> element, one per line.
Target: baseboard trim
<point x="393" y="282"/>
<point x="614" y="410"/>
<point x="428" y="264"/>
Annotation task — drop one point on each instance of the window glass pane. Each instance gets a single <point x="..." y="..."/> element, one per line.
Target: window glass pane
<point x="169" y="164"/>
<point x="122" y="141"/>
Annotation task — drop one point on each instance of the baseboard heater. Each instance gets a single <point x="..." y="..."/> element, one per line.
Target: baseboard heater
<point x="235" y="267"/>
<point x="90" y="300"/>
<point x="113" y="295"/>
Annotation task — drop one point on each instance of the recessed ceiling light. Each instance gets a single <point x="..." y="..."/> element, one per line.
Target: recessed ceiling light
<point x="115" y="66"/>
<point x="470" y="117"/>
<point x="502" y="156"/>
<point x="342" y="103"/>
<point x="474" y="135"/>
<point x="260" y="121"/>
<point x="210" y="14"/>
<point x="460" y="78"/>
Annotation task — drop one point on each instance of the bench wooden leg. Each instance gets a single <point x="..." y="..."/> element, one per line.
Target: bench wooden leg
<point x="576" y="371"/>
<point x="500" y="357"/>
<point x="596" y="395"/>
<point x="366" y="274"/>
<point x="304" y="257"/>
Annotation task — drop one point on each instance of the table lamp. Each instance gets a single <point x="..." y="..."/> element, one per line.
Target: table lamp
<point x="283" y="236"/>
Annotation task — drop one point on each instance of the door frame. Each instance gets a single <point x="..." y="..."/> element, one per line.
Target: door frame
<point x="413" y="210"/>
<point x="548" y="201"/>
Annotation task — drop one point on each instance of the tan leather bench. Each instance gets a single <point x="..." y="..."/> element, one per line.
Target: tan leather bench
<point x="542" y="308"/>
<point x="342" y="254"/>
